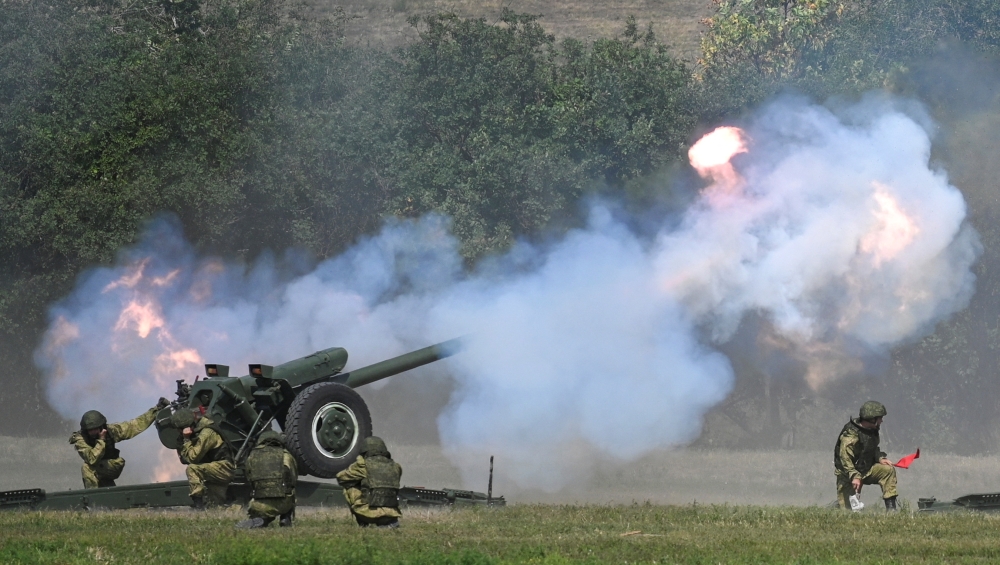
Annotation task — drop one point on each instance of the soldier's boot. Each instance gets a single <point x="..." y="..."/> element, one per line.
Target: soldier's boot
<point x="285" y="520"/>
<point x="199" y="503"/>
<point x="391" y="525"/>
<point x="890" y="504"/>
<point x="253" y="523"/>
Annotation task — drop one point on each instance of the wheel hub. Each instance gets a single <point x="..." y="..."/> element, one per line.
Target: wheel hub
<point x="335" y="430"/>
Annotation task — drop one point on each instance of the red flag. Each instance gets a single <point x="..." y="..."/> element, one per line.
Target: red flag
<point x="904" y="463"/>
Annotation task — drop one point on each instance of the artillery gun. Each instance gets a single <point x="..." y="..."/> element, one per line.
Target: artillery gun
<point x="314" y="403"/>
<point x="310" y="398"/>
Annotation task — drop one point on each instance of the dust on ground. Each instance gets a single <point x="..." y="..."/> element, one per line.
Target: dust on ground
<point x="683" y="476"/>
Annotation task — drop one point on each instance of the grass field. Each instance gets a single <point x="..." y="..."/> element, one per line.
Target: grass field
<point x="520" y="534"/>
<point x="690" y="506"/>
<point x="383" y="22"/>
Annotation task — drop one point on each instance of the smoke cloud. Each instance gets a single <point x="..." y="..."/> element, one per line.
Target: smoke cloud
<point x="831" y="225"/>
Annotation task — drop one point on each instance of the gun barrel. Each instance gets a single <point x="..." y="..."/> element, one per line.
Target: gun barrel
<point x="405" y="362"/>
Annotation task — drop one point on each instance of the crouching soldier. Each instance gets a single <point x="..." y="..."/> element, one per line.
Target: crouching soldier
<point x="272" y="473"/>
<point x="371" y="485"/>
<point x="858" y="460"/>
<point x="208" y="458"/>
<point x="95" y="442"/>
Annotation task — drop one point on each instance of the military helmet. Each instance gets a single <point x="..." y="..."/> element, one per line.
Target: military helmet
<point x="271" y="437"/>
<point x="373" y="445"/>
<point x="183" y="418"/>
<point x="92" y="420"/>
<point x="871" y="410"/>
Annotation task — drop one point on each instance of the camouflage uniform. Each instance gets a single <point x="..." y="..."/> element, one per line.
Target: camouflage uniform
<point x="857" y="455"/>
<point x="272" y="472"/>
<point x="209" y="463"/>
<point x="371" y="485"/>
<point x="102" y="461"/>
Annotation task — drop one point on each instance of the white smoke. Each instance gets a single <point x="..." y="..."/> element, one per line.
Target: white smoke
<point x="598" y="346"/>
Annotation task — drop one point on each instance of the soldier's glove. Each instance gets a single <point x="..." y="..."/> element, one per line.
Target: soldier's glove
<point x="162" y="403"/>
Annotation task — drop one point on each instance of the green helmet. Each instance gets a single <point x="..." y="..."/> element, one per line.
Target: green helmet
<point x="182" y="418"/>
<point x="92" y="420"/>
<point x="871" y="410"/>
<point x="373" y="445"/>
<point x="271" y="437"/>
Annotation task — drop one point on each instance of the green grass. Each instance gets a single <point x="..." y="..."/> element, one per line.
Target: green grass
<point x="518" y="534"/>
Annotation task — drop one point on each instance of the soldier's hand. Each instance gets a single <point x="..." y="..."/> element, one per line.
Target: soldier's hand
<point x="187" y="432"/>
<point x="162" y="403"/>
<point x="885" y="461"/>
<point x="856" y="483"/>
<point x="103" y="433"/>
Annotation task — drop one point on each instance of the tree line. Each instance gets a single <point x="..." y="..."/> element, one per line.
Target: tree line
<point x="261" y="128"/>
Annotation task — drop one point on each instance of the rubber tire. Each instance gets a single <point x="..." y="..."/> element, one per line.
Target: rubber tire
<point x="298" y="428"/>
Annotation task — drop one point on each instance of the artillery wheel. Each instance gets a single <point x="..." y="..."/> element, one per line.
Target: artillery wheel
<point x="324" y="428"/>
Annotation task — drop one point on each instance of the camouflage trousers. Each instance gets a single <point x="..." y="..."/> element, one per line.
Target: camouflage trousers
<point x="364" y="513"/>
<point x="882" y="475"/>
<point x="210" y="480"/>
<point x="103" y="473"/>
<point x="271" y="507"/>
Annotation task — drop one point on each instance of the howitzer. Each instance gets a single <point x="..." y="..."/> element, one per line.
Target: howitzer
<point x="311" y="399"/>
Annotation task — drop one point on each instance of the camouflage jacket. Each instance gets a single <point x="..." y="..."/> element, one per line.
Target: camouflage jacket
<point x="272" y="471"/>
<point x="205" y="446"/>
<point x="105" y="449"/>
<point x="355" y="481"/>
<point x="856" y="451"/>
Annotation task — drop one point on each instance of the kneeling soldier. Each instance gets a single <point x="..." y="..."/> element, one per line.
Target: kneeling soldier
<point x="95" y="442"/>
<point x="858" y="460"/>
<point x="207" y="456"/>
<point x="272" y="472"/>
<point x="371" y="485"/>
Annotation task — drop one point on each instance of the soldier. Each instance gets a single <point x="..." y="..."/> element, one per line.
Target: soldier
<point x="858" y="461"/>
<point x="95" y="442"/>
<point x="371" y="485"/>
<point x="208" y="458"/>
<point x="272" y="472"/>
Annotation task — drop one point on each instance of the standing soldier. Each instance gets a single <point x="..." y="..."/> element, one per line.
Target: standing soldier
<point x="208" y="458"/>
<point x="95" y="442"/>
<point x="371" y="485"/>
<point x="272" y="472"/>
<point x="858" y="461"/>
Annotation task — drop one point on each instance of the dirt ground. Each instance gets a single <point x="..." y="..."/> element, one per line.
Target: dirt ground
<point x="800" y="478"/>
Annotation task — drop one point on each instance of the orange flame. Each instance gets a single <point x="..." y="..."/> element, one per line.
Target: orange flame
<point x="143" y="316"/>
<point x="165" y="280"/>
<point x="711" y="156"/>
<point x="176" y="362"/>
<point x="130" y="279"/>
<point x="893" y="230"/>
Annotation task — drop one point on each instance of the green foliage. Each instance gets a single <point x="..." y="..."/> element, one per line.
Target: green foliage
<point x="478" y="132"/>
<point x="753" y="48"/>
<point x="259" y="129"/>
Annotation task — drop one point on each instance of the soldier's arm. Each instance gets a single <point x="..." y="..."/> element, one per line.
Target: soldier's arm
<point x="353" y="474"/>
<point x="848" y="445"/>
<point x="90" y="455"/>
<point x="133" y="427"/>
<point x="193" y="450"/>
